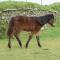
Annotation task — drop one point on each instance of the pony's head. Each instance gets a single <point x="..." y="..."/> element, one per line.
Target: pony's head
<point x="51" y="19"/>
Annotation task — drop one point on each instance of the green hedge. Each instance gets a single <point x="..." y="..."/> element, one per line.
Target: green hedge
<point x="13" y="4"/>
<point x="3" y="28"/>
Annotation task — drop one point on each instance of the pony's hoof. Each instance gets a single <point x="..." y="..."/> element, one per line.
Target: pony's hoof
<point x="9" y="46"/>
<point x="26" y="46"/>
<point x="20" y="46"/>
<point x="39" y="46"/>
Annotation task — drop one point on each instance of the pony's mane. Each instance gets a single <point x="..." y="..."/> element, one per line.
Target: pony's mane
<point x="44" y="19"/>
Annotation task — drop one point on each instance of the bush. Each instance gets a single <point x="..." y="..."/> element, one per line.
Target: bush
<point x="3" y="27"/>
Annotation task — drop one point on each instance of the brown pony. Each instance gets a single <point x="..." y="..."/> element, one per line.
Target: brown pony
<point x="30" y="24"/>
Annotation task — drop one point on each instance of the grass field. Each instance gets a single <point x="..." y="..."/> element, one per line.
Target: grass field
<point x="50" y="50"/>
<point x="50" y="41"/>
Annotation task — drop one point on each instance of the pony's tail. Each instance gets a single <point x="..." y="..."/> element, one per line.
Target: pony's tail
<point x="10" y="27"/>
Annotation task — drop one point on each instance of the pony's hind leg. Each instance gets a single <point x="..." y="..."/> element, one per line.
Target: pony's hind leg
<point x="9" y="42"/>
<point x="19" y="41"/>
<point x="9" y="34"/>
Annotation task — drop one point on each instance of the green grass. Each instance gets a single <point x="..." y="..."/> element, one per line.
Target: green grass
<point x="50" y="50"/>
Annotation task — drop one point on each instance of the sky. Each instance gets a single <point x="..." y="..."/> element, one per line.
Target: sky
<point x="44" y="2"/>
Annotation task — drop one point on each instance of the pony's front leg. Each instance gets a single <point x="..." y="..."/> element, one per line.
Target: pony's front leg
<point x="38" y="42"/>
<point x="37" y="38"/>
<point x="30" y="37"/>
